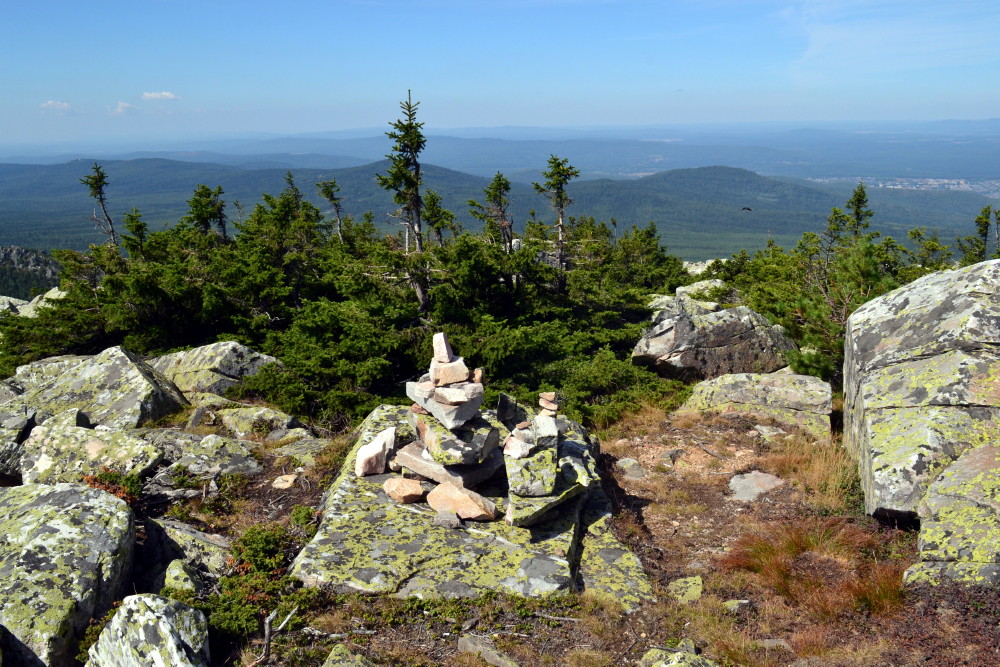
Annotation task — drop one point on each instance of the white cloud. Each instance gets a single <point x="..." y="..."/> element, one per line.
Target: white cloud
<point x="121" y="108"/>
<point x="56" y="106"/>
<point x="164" y="95"/>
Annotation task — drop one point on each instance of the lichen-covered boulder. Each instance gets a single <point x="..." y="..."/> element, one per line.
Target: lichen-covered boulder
<point x="65" y="552"/>
<point x="960" y="522"/>
<point x="15" y="427"/>
<point x="200" y="466"/>
<point x="168" y="541"/>
<point x="694" y="339"/>
<point x="115" y="388"/>
<point x="30" y="309"/>
<point x="211" y="368"/>
<point x="255" y="421"/>
<point x="798" y="400"/>
<point x="922" y="382"/>
<point x="60" y="451"/>
<point x="152" y="630"/>
<point x="367" y="542"/>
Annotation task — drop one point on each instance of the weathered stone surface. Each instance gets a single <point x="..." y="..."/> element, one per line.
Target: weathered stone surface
<point x="533" y="475"/>
<point x="688" y="340"/>
<point x="696" y="291"/>
<point x="340" y="656"/>
<point x="180" y="576"/>
<point x="59" y="452"/>
<point x="922" y="382"/>
<point x="411" y="457"/>
<point x="471" y="443"/>
<point x="510" y="413"/>
<point x="372" y="456"/>
<point x="368" y="543"/>
<point x="450" y="416"/>
<point x="171" y="441"/>
<point x="168" y="541"/>
<point x="449" y="373"/>
<point x="211" y="368"/>
<point x="686" y="589"/>
<point x="202" y="463"/>
<point x="658" y="657"/>
<point x="304" y="451"/>
<point x="443" y="353"/>
<point x="797" y="400"/>
<point x="115" y="388"/>
<point x="152" y="630"/>
<point x="30" y="309"/>
<point x="464" y="503"/>
<point x="65" y="551"/>
<point x="577" y="472"/>
<point x="404" y="490"/>
<point x="960" y="521"/>
<point x="244" y="422"/>
<point x="750" y="486"/>
<point x="606" y="566"/>
<point x="485" y="649"/>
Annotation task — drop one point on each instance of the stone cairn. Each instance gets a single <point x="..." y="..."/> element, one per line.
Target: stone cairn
<point x="460" y="447"/>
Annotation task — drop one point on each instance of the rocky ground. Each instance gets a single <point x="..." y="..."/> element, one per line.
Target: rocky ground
<point x="669" y="478"/>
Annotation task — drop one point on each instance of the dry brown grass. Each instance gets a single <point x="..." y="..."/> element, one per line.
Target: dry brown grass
<point x="824" y="472"/>
<point x="825" y="568"/>
<point x="645" y="421"/>
<point x="587" y="657"/>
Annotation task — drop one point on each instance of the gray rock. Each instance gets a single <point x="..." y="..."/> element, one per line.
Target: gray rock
<point x="114" y="388"/>
<point x="485" y="649"/>
<point x="152" y="630"/>
<point x="802" y="401"/>
<point x="534" y="475"/>
<point x="467" y="476"/>
<point x="211" y="368"/>
<point x="59" y="451"/>
<point x="750" y="486"/>
<point x="65" y="552"/>
<point x="960" y="522"/>
<point x="920" y="372"/>
<point x="30" y="309"/>
<point x="168" y="541"/>
<point x="688" y="340"/>
<point x="340" y="656"/>
<point x="202" y="463"/>
<point x="368" y="543"/>
<point x="243" y="422"/>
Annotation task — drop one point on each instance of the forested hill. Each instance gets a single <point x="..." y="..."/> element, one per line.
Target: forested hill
<point x="699" y="212"/>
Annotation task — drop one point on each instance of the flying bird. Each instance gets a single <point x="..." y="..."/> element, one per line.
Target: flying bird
<point x="746" y="208"/>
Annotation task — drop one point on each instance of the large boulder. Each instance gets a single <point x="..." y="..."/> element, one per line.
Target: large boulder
<point x="367" y="542"/>
<point x="797" y="400"/>
<point x="61" y="451"/>
<point x="65" y="552"/>
<point x="115" y="388"/>
<point x="211" y="368"/>
<point x="922" y="415"/>
<point x="152" y="630"/>
<point x="922" y="382"/>
<point x="696" y="339"/>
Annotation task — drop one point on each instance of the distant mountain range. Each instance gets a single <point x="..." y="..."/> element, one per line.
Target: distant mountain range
<point x="700" y="212"/>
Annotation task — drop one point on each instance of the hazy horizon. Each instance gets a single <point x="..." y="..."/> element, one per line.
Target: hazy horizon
<point x="79" y="74"/>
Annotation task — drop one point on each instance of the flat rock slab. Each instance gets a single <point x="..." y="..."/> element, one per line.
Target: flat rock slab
<point x="411" y="457"/>
<point x="606" y="565"/>
<point x="65" y="552"/>
<point x="750" y="486"/>
<point x="368" y="543"/>
<point x="797" y="400"/>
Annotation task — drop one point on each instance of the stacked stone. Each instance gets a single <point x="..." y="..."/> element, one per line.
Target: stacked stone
<point x="543" y="472"/>
<point x="458" y="446"/>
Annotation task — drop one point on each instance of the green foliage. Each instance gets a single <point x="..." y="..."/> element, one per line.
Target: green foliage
<point x="93" y="632"/>
<point x="403" y="177"/>
<point x="265" y="549"/>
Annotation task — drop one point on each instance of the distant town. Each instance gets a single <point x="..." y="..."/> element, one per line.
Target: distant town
<point x="986" y="188"/>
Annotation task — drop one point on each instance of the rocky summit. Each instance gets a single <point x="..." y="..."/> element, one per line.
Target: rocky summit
<point x="529" y="517"/>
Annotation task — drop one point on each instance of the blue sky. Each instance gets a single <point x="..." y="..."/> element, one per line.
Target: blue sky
<point x="156" y="69"/>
